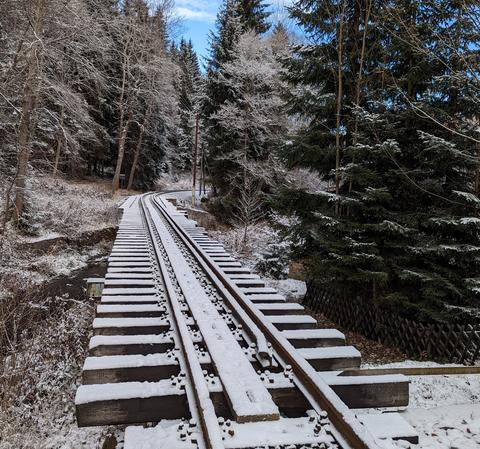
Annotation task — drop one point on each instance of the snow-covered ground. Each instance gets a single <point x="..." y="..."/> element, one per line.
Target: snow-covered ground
<point x="38" y="383"/>
<point x="168" y="182"/>
<point x="445" y="410"/>
<point x="69" y="208"/>
<point x="43" y="337"/>
<point x="57" y="209"/>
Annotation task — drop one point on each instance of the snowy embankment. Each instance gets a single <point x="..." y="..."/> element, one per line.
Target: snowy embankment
<point x="45" y="326"/>
<point x="54" y="241"/>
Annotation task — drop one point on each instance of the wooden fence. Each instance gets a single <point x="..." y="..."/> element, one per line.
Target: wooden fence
<point x="451" y="343"/>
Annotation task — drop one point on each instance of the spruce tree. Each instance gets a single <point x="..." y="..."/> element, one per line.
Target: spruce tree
<point x="235" y="18"/>
<point x="188" y="86"/>
<point x="223" y="42"/>
<point x="253" y="15"/>
<point x="399" y="227"/>
<point x="252" y="119"/>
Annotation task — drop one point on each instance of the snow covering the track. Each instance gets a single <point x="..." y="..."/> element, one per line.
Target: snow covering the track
<point x="294" y="431"/>
<point x="99" y="323"/>
<point x="128" y="265"/>
<point x="260" y="434"/>
<point x="269" y="297"/>
<point x="246" y="393"/>
<point x="239" y="276"/>
<point x="123" y="298"/>
<point x="146" y="269"/>
<point x="332" y="378"/>
<point x="116" y="275"/>
<point x="107" y="340"/>
<point x="125" y="390"/>
<point x="305" y="334"/>
<point x="330" y="352"/>
<point x="388" y="425"/>
<point x="163" y="436"/>
<point x="129" y="291"/>
<point x="286" y="307"/>
<point x="294" y="319"/>
<point x="113" y="282"/>
<point x="127" y="361"/>
<point x="128" y="322"/>
<point x="122" y="250"/>
<point x="231" y="270"/>
<point x="125" y="308"/>
<point x="258" y="290"/>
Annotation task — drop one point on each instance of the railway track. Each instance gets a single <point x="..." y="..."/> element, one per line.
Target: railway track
<point x="197" y="351"/>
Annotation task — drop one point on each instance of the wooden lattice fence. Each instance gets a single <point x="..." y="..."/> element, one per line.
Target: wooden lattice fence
<point x="452" y="343"/>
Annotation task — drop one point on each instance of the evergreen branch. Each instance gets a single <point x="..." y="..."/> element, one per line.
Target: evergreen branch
<point x="404" y="173"/>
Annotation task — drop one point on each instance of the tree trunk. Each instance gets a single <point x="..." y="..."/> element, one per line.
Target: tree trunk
<point x="121" y="154"/>
<point x="122" y="127"/>
<point x="477" y="174"/>
<point x="60" y="139"/>
<point x="359" y="78"/>
<point x="28" y="108"/>
<point x="339" y="106"/>
<point x="136" y="157"/>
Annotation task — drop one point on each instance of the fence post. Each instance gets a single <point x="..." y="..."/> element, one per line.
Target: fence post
<point x="476" y="336"/>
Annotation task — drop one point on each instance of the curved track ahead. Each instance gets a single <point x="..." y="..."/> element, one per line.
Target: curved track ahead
<point x="247" y="363"/>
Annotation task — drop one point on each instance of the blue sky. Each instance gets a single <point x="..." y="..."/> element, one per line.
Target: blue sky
<point x="198" y="18"/>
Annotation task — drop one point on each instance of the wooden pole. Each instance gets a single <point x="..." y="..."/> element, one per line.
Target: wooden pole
<point x="202" y="171"/>
<point x="194" y="161"/>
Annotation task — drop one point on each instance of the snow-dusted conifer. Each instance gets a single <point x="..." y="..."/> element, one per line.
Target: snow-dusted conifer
<point x="405" y="158"/>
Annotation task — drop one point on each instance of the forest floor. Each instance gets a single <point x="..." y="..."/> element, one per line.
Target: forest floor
<point x="45" y="318"/>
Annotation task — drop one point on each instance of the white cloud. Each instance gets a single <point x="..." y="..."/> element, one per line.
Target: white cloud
<point x="196" y="4"/>
<point x="191" y="14"/>
<point x="206" y="10"/>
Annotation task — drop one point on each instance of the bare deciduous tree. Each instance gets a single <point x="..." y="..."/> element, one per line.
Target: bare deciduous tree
<point x="249" y="209"/>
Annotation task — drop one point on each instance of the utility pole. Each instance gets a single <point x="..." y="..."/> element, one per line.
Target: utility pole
<point x="202" y="174"/>
<point x="194" y="161"/>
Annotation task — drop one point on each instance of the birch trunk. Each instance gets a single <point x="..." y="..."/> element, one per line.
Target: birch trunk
<point x="121" y="153"/>
<point x="122" y="126"/>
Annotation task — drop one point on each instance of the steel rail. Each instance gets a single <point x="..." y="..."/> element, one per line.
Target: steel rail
<point x="415" y="371"/>
<point x="250" y="327"/>
<point x="208" y="419"/>
<point x="341" y="417"/>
